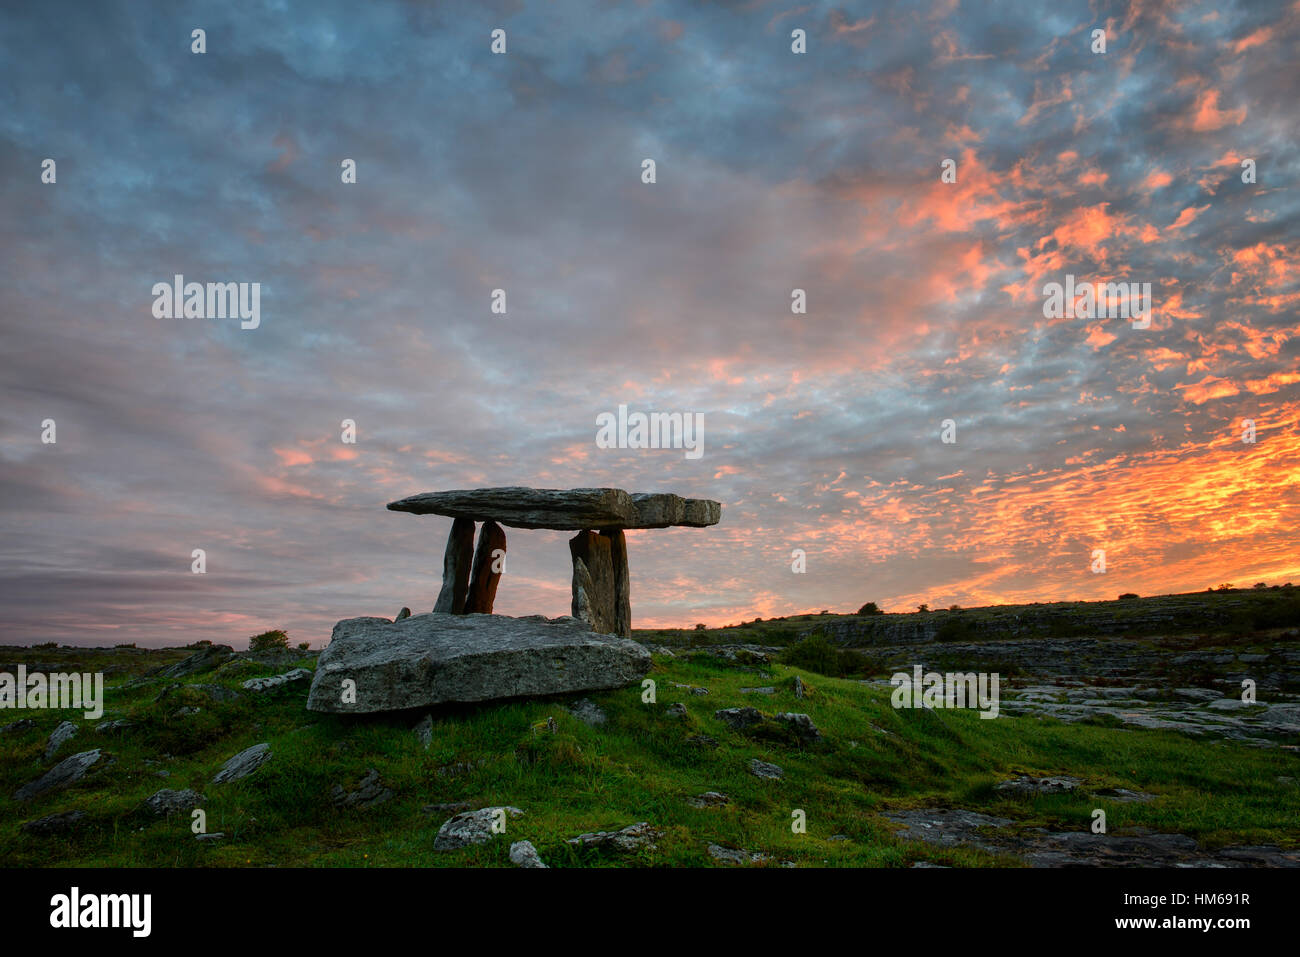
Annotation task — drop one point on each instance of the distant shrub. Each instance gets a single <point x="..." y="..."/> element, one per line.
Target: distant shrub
<point x="1283" y="613"/>
<point x="922" y="607"/>
<point x="269" y="641"/>
<point x="45" y="646"/>
<point x="1127" y="595"/>
<point x="870" y="608"/>
<point x="131" y="645"/>
<point x="818" y="653"/>
<point x="954" y="607"/>
<point x="1227" y="586"/>
<point x="303" y="646"/>
<point x="701" y="626"/>
<point x="955" y="629"/>
<point x="1261" y="585"/>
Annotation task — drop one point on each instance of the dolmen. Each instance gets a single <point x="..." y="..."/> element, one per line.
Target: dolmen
<point x="461" y="652"/>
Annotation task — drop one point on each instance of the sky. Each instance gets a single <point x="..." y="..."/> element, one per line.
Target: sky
<point x="523" y="171"/>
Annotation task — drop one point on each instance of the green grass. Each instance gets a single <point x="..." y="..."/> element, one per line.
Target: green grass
<point x="640" y="765"/>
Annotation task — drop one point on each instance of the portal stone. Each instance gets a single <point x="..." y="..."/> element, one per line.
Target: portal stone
<point x="483" y="584"/>
<point x="455" y="568"/>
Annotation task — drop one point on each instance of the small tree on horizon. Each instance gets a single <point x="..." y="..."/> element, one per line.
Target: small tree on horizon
<point x="870" y="608"/>
<point x="277" y="640"/>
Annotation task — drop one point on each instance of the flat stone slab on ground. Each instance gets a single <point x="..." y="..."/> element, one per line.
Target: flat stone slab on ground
<point x="570" y="510"/>
<point x="439" y="658"/>
<point x="66" y="772"/>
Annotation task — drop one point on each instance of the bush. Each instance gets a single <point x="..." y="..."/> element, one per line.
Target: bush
<point x="870" y="608"/>
<point x="701" y="626"/>
<point x="819" y="654"/>
<point x="1277" y="614"/>
<point x="269" y="641"/>
<point x="1127" y="595"/>
<point x="303" y="646"/>
<point x="955" y="629"/>
<point x="922" y="607"/>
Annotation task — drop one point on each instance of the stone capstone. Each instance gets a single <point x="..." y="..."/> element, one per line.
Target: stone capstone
<point x="569" y="510"/>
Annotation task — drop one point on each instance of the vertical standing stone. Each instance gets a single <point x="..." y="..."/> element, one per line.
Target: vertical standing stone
<point x="593" y="582"/>
<point x="455" y="568"/>
<point x="483" y="585"/>
<point x="622" y="581"/>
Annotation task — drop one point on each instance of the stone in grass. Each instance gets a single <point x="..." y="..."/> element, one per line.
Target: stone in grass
<point x="800" y="689"/>
<point x="628" y="839"/>
<point x="676" y="710"/>
<point x="739" y="718"/>
<point x="167" y="802"/>
<point x="424" y="731"/>
<point x="368" y="793"/>
<point x="278" y="681"/>
<point x="708" y="799"/>
<point x="473" y="827"/>
<point x="214" y="836"/>
<point x="67" y="772"/>
<point x="743" y="719"/>
<point x="451" y="807"/>
<point x="801" y="725"/>
<point x="204" y="660"/>
<point x="53" y="824"/>
<point x="588" y="712"/>
<point x="60" y="736"/>
<point x="766" y="689"/>
<point x="523" y="854"/>
<point x="18" y="727"/>
<point x="1024" y="784"/>
<point x="761" y="769"/>
<point x="243" y="764"/>
<point x="729" y="855"/>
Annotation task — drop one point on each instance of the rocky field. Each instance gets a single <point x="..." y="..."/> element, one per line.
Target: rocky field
<point x="751" y="753"/>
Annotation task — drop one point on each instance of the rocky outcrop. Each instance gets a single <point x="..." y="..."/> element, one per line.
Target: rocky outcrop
<point x="204" y="660"/>
<point x="438" y="658"/>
